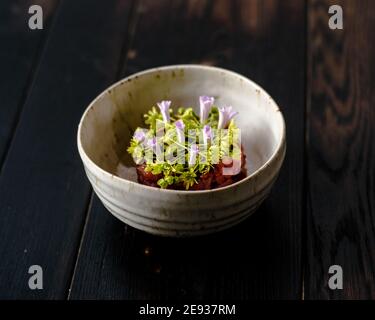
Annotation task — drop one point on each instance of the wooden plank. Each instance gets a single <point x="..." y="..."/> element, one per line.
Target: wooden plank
<point x="341" y="216"/>
<point x="19" y="57"/>
<point x="260" y="258"/>
<point x="43" y="191"/>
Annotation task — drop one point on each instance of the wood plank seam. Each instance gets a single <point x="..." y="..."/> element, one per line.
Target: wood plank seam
<point x="89" y="205"/>
<point x="129" y="34"/>
<point x="52" y="228"/>
<point x="305" y="155"/>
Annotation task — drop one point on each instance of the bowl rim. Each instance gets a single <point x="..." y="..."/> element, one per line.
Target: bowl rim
<point x="282" y="142"/>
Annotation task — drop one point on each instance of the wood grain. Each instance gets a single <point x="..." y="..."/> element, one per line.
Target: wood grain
<point x="43" y="190"/>
<point x="19" y="58"/>
<point x="341" y="151"/>
<point x="261" y="258"/>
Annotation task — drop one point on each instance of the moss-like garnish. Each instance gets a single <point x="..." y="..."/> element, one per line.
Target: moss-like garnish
<point x="181" y="147"/>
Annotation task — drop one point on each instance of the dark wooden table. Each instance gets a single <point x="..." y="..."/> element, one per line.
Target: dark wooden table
<point x="320" y="212"/>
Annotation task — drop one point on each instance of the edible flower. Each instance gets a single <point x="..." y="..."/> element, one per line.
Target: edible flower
<point x="205" y="104"/>
<point x="184" y="150"/>
<point x="225" y="115"/>
<point x="164" y="109"/>
<point x="207" y="134"/>
<point x="139" y="135"/>
<point x="193" y="152"/>
<point x="180" y="126"/>
<point x="156" y="148"/>
<point x="151" y="143"/>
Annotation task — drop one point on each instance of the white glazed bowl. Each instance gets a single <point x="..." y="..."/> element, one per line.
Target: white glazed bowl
<point x="110" y="120"/>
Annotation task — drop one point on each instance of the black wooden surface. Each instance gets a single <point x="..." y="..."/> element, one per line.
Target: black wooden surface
<point x="44" y="192"/>
<point x="341" y="173"/>
<point x="319" y="213"/>
<point x="19" y="59"/>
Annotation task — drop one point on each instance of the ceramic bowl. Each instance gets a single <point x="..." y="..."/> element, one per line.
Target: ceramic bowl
<point x="110" y="120"/>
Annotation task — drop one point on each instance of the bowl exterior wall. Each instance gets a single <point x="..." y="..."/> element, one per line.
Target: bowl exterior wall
<point x="183" y="214"/>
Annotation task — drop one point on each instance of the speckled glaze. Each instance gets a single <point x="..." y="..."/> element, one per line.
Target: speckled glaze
<point x="110" y="120"/>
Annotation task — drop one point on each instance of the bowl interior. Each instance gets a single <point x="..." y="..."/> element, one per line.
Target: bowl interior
<point x="109" y="122"/>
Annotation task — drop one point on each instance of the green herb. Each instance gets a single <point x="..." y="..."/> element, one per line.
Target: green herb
<point x="181" y="168"/>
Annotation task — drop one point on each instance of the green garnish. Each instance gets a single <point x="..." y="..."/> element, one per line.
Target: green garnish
<point x="182" y="146"/>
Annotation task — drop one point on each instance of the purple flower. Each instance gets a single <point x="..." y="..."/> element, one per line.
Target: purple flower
<point x="139" y="135"/>
<point x="156" y="148"/>
<point x="205" y="104"/>
<point x="207" y="134"/>
<point x="225" y="115"/>
<point x="164" y="109"/>
<point x="154" y="145"/>
<point x="180" y="126"/>
<point x="151" y="143"/>
<point x="193" y="152"/>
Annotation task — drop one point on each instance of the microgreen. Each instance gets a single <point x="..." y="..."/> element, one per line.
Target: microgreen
<point x="190" y="144"/>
